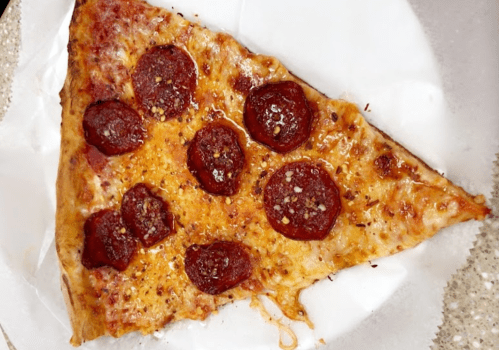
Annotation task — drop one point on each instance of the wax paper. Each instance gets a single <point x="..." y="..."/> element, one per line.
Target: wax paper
<point x="427" y="83"/>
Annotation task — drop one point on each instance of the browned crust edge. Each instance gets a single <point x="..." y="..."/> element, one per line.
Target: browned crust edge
<point x="84" y="326"/>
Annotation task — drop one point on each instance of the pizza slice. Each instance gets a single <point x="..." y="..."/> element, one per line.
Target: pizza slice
<point x="194" y="172"/>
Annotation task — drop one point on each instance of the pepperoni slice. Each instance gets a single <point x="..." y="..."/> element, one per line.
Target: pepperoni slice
<point x="163" y="81"/>
<point x="301" y="201"/>
<point x="113" y="127"/>
<point x="107" y="241"/>
<point x="217" y="267"/>
<point x="146" y="215"/>
<point x="216" y="159"/>
<point x="278" y="116"/>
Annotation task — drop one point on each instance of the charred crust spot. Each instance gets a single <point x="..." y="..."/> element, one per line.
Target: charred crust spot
<point x="407" y="210"/>
<point x="159" y="290"/>
<point x="113" y="298"/>
<point x="359" y="150"/>
<point x="381" y="147"/>
<point x="246" y="53"/>
<point x="214" y="115"/>
<point x="389" y="166"/>
<point x="257" y="190"/>
<point x="334" y="117"/>
<point x="205" y="67"/>
<point x="221" y="38"/>
<point x="167" y="320"/>
<point x="388" y="211"/>
<point x="411" y="171"/>
<point x="268" y="62"/>
<point x="349" y="195"/>
<point x="242" y="84"/>
<point x="385" y="165"/>
<point x="442" y="206"/>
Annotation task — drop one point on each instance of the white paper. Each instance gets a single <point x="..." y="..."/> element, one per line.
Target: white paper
<point x="372" y="52"/>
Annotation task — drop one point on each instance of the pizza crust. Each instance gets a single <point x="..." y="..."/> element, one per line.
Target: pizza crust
<point x="391" y="200"/>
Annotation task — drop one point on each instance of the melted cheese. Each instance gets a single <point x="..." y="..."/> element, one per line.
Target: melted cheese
<point x="383" y="212"/>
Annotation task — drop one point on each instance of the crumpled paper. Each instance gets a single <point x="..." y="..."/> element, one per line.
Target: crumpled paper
<point x="374" y="53"/>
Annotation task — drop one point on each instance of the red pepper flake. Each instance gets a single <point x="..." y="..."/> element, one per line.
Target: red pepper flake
<point x="257" y="190"/>
<point x="370" y="204"/>
<point x="349" y="195"/>
<point x="367" y="106"/>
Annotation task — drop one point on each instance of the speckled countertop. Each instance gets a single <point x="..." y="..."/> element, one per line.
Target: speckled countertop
<point x="471" y="300"/>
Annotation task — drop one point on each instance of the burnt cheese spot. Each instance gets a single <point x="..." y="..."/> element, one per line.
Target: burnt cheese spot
<point x="242" y="84"/>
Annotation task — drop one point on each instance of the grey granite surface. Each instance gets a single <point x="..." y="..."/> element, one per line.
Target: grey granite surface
<point x="9" y="50"/>
<point x="471" y="300"/>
